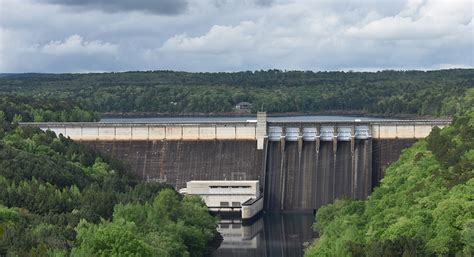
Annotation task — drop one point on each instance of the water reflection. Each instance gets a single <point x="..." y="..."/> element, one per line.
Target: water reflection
<point x="279" y="235"/>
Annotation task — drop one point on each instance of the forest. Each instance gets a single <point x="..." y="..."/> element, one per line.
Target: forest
<point x="426" y="93"/>
<point x="424" y="205"/>
<point x="60" y="198"/>
<point x="34" y="109"/>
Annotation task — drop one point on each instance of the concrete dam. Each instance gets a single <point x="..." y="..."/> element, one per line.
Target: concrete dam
<point x="300" y="165"/>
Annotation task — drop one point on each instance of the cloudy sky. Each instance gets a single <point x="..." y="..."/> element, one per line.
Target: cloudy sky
<point x="231" y="35"/>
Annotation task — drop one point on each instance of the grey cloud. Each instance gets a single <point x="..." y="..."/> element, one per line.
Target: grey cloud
<point x="229" y="35"/>
<point x="264" y="2"/>
<point x="164" y="7"/>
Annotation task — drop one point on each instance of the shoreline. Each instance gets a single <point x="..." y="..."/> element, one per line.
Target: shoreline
<point x="248" y="114"/>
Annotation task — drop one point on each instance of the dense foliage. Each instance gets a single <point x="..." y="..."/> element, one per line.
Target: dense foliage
<point x="28" y="109"/>
<point x="386" y="92"/>
<point x="168" y="226"/>
<point x="423" y="207"/>
<point x="58" y="197"/>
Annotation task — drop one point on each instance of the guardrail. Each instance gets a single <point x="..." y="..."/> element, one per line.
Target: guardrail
<point x="215" y="130"/>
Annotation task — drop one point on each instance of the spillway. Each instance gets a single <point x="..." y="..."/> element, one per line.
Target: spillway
<point x="303" y="176"/>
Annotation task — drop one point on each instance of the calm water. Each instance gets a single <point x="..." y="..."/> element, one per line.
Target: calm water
<point x="308" y="118"/>
<point x="273" y="235"/>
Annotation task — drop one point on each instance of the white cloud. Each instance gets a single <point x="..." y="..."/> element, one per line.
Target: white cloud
<point x="432" y="19"/>
<point x="311" y="35"/>
<point x="219" y="39"/>
<point x="452" y="66"/>
<point x="75" y="44"/>
<point x="240" y="35"/>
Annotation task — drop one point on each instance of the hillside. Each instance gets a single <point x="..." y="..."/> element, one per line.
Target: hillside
<point x="424" y="205"/>
<point x="60" y="198"/>
<point x="386" y="93"/>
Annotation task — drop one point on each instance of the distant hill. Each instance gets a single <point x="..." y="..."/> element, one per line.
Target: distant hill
<point x="8" y="74"/>
<point x="384" y="92"/>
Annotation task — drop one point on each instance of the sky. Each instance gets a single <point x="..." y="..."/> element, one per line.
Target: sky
<point x="235" y="35"/>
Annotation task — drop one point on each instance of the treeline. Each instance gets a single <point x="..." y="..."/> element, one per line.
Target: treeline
<point x="60" y="198"/>
<point x="15" y="108"/>
<point x="423" y="207"/>
<point x="385" y="92"/>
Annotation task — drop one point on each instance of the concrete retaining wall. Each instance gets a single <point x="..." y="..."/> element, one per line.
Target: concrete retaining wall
<point x="252" y="208"/>
<point x="124" y="132"/>
<point x="402" y="131"/>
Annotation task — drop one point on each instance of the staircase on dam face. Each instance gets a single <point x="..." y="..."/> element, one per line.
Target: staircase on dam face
<point x="309" y="166"/>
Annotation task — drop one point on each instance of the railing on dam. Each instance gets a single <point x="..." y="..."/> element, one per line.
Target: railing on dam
<point x="346" y="130"/>
<point x="128" y="131"/>
<point x="250" y="130"/>
<point x="315" y="133"/>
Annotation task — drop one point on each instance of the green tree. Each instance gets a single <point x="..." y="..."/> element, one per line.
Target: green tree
<point x="118" y="238"/>
<point x="423" y="206"/>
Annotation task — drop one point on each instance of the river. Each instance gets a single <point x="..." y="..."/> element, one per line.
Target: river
<point x="275" y="235"/>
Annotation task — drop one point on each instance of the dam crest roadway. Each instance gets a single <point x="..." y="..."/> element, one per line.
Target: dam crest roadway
<point x="244" y="130"/>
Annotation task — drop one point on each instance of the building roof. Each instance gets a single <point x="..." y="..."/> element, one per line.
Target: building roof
<point x="223" y="182"/>
<point x="243" y="103"/>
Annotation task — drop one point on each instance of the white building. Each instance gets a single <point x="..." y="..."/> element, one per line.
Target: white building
<point x="228" y="195"/>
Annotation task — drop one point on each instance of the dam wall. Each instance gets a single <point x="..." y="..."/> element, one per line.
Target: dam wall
<point x="312" y="178"/>
<point x="301" y="166"/>
<point x="178" y="161"/>
<point x="384" y="153"/>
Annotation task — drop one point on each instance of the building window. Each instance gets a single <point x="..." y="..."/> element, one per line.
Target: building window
<point x="235" y="204"/>
<point x="224" y="204"/>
